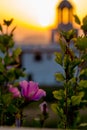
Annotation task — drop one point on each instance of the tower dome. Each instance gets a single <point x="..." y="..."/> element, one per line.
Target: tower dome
<point x="64" y="4"/>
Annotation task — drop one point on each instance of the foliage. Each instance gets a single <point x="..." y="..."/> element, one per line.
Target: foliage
<point x="14" y="93"/>
<point x="10" y="72"/>
<point x="73" y="60"/>
<point x="82" y="24"/>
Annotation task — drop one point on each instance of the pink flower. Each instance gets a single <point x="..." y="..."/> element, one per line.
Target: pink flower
<point x="44" y="107"/>
<point x="31" y="91"/>
<point x="14" y="91"/>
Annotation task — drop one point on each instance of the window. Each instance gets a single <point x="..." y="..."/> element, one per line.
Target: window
<point x="38" y="56"/>
<point x="30" y="77"/>
<point x="65" y="15"/>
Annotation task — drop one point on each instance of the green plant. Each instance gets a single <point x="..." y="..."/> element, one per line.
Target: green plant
<point x="82" y="24"/>
<point x="10" y="71"/>
<point x="73" y="60"/>
<point x="15" y="94"/>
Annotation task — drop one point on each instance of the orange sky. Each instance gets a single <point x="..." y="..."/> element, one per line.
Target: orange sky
<point x="32" y="17"/>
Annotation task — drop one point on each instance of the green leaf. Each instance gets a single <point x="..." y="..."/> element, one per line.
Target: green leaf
<point x="58" y="58"/>
<point x="7" y="41"/>
<point x="7" y="22"/>
<point x="68" y="35"/>
<point x="0" y="59"/>
<point x="7" y="60"/>
<point x="81" y="94"/>
<point x="76" y="100"/>
<point x="2" y="79"/>
<point x="83" y="124"/>
<point x="62" y="45"/>
<point x="17" y="52"/>
<point x="84" y="28"/>
<point x="57" y="109"/>
<point x="2" y="48"/>
<point x="75" y="63"/>
<point x="19" y="73"/>
<point x="84" y="25"/>
<point x="11" y="43"/>
<point x="84" y="57"/>
<point x="54" y="107"/>
<point x="83" y="84"/>
<point x="81" y="43"/>
<point x="11" y="74"/>
<point x="85" y="20"/>
<point x="77" y="20"/>
<point x="72" y="81"/>
<point x="68" y="102"/>
<point x="66" y="61"/>
<point x="12" y="108"/>
<point x="6" y="98"/>
<point x="58" y="94"/>
<point x="59" y="77"/>
<point x="83" y="73"/>
<point x="1" y="67"/>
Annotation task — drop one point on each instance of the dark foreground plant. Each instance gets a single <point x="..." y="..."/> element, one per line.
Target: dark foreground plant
<point x="14" y="94"/>
<point x="73" y="61"/>
<point x="10" y="71"/>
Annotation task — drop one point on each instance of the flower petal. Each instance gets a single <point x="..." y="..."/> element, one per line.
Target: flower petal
<point x="31" y="91"/>
<point x="24" y="88"/>
<point x="15" y="91"/>
<point x="41" y="93"/>
<point x="23" y="84"/>
<point x="33" y="88"/>
<point x="28" y="89"/>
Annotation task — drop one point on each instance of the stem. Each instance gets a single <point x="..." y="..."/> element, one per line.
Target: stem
<point x="7" y="30"/>
<point x="66" y="91"/>
<point x="66" y="106"/>
<point x="2" y="119"/>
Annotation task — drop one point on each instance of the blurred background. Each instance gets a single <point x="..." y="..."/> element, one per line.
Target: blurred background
<point x="37" y="23"/>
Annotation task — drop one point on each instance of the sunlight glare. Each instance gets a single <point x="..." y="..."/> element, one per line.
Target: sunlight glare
<point x="35" y="12"/>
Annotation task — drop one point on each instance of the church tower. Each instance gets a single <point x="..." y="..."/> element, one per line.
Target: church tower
<point x="65" y="15"/>
<point x="64" y="18"/>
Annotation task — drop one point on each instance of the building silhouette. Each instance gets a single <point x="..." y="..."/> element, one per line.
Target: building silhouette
<point x="64" y="21"/>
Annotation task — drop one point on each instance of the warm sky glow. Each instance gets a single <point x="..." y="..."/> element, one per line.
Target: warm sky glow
<point x="32" y="14"/>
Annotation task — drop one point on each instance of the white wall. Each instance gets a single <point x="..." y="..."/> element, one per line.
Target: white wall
<point x="42" y="71"/>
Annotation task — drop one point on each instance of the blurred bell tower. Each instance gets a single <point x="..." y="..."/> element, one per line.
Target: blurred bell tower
<point x="64" y="18"/>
